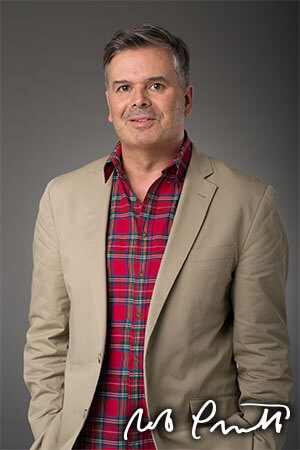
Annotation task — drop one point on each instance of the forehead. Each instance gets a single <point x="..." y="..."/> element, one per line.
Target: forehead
<point x="142" y="62"/>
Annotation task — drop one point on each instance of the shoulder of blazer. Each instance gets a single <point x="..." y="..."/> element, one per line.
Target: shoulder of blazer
<point x="72" y="182"/>
<point x="231" y="181"/>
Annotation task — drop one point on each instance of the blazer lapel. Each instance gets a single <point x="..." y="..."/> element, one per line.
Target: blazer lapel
<point x="196" y="196"/>
<point x="97" y="200"/>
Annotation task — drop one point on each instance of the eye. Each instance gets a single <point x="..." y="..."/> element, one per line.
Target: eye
<point x="123" y="88"/>
<point x="156" y="86"/>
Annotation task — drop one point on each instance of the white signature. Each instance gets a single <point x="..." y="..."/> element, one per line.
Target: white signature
<point x="264" y="422"/>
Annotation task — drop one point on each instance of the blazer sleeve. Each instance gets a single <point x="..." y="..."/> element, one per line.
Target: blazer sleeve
<point x="47" y="337"/>
<point x="261" y="341"/>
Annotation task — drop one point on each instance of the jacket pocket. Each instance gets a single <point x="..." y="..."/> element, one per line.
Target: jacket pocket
<point x="226" y="406"/>
<point x="219" y="253"/>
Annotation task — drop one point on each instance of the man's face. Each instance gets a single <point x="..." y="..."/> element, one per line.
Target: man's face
<point x="146" y="104"/>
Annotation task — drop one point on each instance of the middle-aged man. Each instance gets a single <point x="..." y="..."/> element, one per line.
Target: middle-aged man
<point x="158" y="282"/>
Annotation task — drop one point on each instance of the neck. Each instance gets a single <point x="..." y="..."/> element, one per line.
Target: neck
<point x="147" y="160"/>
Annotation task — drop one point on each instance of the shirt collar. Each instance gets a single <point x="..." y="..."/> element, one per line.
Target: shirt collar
<point x="176" y="168"/>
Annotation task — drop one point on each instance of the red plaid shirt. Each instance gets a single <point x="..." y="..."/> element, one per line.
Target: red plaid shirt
<point x="137" y="235"/>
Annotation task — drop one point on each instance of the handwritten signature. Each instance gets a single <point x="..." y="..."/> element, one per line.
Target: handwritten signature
<point x="264" y="422"/>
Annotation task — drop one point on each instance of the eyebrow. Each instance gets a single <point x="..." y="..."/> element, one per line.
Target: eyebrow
<point x="163" y="79"/>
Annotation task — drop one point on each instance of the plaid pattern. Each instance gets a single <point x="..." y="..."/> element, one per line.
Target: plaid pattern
<point x="136" y="239"/>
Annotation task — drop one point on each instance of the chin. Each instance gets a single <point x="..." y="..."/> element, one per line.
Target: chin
<point x="148" y="142"/>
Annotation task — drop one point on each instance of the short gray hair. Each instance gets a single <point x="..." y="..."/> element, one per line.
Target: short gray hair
<point x="148" y="35"/>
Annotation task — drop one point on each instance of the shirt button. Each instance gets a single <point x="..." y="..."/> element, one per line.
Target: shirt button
<point x="138" y="315"/>
<point x="141" y="274"/>
<point x="144" y="234"/>
<point x="136" y="358"/>
<point x="168" y="181"/>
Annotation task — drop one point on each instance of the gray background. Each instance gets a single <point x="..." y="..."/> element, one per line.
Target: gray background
<point x="54" y="119"/>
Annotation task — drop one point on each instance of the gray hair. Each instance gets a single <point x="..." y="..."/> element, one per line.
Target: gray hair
<point x="148" y="35"/>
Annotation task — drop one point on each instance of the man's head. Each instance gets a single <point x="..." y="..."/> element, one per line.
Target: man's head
<point x="147" y="81"/>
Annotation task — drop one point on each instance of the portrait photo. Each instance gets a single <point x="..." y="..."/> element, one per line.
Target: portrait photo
<point x="150" y="225"/>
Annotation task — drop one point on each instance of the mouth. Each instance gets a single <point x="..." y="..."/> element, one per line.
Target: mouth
<point x="142" y="121"/>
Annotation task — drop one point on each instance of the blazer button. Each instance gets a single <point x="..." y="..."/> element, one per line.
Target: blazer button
<point x="85" y="412"/>
<point x="99" y="357"/>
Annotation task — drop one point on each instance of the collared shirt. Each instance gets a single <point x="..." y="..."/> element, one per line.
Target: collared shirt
<point x="137" y="235"/>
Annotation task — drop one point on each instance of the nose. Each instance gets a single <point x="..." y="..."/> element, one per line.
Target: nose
<point x="140" y="98"/>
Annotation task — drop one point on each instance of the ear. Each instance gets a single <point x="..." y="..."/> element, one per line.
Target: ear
<point x="109" y="108"/>
<point x="188" y="95"/>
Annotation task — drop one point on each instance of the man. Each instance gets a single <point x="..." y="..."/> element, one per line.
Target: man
<point x="158" y="281"/>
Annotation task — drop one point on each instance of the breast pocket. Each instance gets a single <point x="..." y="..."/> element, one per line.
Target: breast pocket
<point x="211" y="256"/>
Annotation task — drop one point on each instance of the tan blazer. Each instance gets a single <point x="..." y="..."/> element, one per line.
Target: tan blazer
<point x="217" y="321"/>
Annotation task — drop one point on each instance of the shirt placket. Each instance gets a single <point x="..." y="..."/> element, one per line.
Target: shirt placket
<point x="140" y="305"/>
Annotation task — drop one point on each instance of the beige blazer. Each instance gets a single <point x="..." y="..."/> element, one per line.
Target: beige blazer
<point x="217" y="321"/>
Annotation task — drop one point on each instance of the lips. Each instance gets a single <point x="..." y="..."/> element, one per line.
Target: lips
<point x="142" y="122"/>
<point x="141" y="119"/>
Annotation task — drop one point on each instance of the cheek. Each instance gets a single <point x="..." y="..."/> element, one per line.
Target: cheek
<point x="175" y="106"/>
<point x="117" y="109"/>
<point x="165" y="108"/>
<point x="177" y="112"/>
